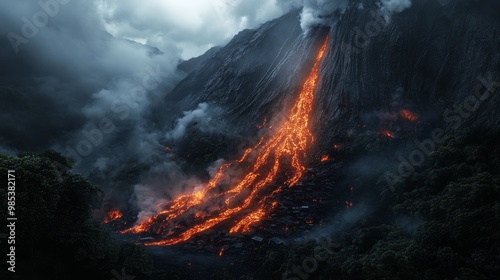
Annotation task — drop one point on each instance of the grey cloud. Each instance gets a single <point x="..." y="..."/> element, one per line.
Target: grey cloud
<point x="325" y="12"/>
<point x="191" y="27"/>
<point x="69" y="77"/>
<point x="203" y="115"/>
<point x="72" y="75"/>
<point x="320" y="12"/>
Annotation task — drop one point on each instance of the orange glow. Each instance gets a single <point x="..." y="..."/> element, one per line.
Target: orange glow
<point x="325" y="158"/>
<point x="252" y="218"/>
<point x="113" y="215"/>
<point x="387" y="134"/>
<point x="221" y="252"/>
<point x="336" y="146"/>
<point x="259" y="126"/>
<point x="408" y="115"/>
<point x="252" y="196"/>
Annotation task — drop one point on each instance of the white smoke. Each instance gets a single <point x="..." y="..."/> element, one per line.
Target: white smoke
<point x="203" y="115"/>
<point x="324" y="12"/>
<point x="320" y="12"/>
<point x="146" y="200"/>
<point x="164" y="181"/>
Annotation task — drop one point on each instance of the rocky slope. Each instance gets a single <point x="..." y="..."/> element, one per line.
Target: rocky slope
<point x="426" y="58"/>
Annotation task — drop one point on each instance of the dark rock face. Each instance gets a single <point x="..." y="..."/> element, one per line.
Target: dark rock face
<point x="188" y="65"/>
<point x="427" y="57"/>
<point x="252" y="75"/>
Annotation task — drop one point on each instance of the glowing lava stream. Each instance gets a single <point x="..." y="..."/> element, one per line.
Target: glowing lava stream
<point x="250" y="199"/>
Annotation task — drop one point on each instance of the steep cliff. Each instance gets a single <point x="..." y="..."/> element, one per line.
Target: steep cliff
<point x="427" y="58"/>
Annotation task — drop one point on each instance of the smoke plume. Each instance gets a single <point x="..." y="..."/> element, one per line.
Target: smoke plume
<point x="326" y="12"/>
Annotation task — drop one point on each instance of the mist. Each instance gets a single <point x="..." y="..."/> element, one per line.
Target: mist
<point x="89" y="74"/>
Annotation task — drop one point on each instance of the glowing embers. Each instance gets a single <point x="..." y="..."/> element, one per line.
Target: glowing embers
<point x="252" y="218"/>
<point x="406" y="114"/>
<point x="386" y="133"/>
<point x="113" y="215"/>
<point x="249" y="199"/>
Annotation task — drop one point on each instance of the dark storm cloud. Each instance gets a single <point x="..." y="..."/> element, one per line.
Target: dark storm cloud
<point x="69" y="78"/>
<point x="69" y="72"/>
<point x="77" y="79"/>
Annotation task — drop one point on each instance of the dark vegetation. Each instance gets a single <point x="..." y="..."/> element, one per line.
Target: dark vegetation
<point x="440" y="223"/>
<point x="56" y="236"/>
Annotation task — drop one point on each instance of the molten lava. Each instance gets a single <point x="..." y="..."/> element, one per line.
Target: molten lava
<point x="387" y="134"/>
<point x="251" y="198"/>
<point x="113" y="215"/>
<point x="408" y="115"/>
<point x="325" y="158"/>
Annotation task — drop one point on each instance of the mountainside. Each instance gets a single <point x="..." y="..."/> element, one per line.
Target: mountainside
<point x="397" y="111"/>
<point x="350" y="139"/>
<point x="427" y="57"/>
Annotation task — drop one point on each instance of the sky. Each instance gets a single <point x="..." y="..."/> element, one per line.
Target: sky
<point x="189" y="27"/>
<point x="66" y="73"/>
<point x="184" y="28"/>
<point x="194" y="26"/>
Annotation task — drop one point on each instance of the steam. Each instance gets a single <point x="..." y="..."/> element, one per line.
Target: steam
<point x="320" y="12"/>
<point x="326" y="12"/>
<point x="203" y="116"/>
<point x="161" y="182"/>
<point x="164" y="182"/>
<point x="90" y="81"/>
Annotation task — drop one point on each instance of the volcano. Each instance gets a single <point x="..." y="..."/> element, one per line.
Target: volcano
<point x="334" y="139"/>
<point x="322" y="135"/>
<point x="288" y="146"/>
<point x="375" y="90"/>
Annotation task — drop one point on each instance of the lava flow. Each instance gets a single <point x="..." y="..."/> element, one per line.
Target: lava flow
<point x="112" y="216"/>
<point x="408" y="115"/>
<point x="250" y="199"/>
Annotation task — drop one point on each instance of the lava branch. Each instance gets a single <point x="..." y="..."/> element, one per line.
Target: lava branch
<point x="251" y="199"/>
